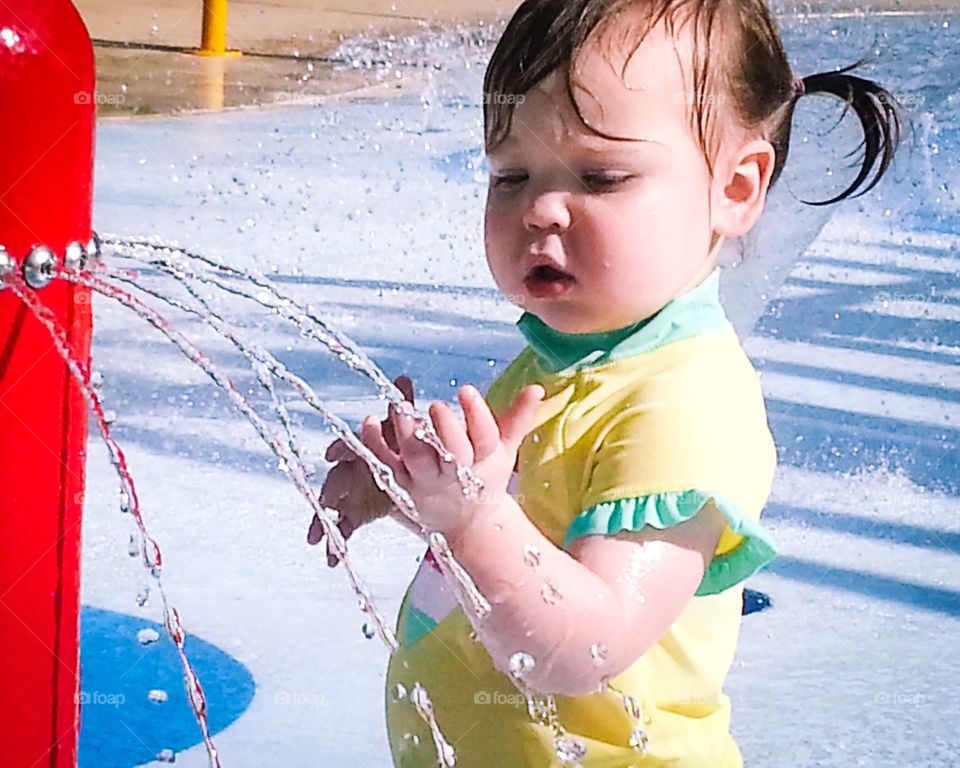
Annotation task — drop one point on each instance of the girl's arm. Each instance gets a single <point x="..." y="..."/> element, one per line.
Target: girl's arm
<point x="583" y="616"/>
<point x="587" y="615"/>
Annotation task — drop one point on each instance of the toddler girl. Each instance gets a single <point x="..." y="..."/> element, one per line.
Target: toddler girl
<point x="626" y="141"/>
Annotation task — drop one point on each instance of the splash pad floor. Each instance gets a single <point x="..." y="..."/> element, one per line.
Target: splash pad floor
<point x="371" y="212"/>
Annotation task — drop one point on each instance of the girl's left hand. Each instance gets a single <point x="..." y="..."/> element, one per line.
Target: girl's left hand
<point x="487" y="446"/>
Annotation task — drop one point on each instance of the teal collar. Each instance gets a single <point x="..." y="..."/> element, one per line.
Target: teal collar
<point x="694" y="312"/>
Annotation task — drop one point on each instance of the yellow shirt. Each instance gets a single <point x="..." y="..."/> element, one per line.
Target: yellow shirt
<point x="638" y="427"/>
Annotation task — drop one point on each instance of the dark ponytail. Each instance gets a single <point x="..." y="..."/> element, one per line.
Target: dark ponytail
<point x="877" y="110"/>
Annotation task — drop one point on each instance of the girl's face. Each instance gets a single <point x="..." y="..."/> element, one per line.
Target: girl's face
<point x="592" y="234"/>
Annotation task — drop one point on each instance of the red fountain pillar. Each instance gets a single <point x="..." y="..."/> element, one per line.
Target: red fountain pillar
<point x="47" y="104"/>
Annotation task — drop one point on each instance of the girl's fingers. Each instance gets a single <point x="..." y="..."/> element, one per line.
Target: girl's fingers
<point x="481" y="426"/>
<point x="371" y="433"/>
<point x="315" y="533"/>
<point x="419" y="458"/>
<point x="517" y="421"/>
<point x="339" y="482"/>
<point x="338" y="451"/>
<point x="406" y="387"/>
<point x="451" y="434"/>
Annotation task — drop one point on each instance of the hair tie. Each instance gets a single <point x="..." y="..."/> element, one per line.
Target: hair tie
<point x="799" y="86"/>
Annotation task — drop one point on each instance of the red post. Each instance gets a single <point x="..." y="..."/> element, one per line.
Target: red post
<point x="47" y="105"/>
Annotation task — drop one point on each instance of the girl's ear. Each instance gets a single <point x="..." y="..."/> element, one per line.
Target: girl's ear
<point x="741" y="192"/>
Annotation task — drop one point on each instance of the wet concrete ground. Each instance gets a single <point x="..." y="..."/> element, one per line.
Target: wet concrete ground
<point x="146" y="65"/>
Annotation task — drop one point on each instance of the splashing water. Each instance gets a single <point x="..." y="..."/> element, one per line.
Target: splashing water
<point x="189" y="271"/>
<point x="286" y="449"/>
<point x="152" y="555"/>
<point x="266" y="366"/>
<point x="445" y="752"/>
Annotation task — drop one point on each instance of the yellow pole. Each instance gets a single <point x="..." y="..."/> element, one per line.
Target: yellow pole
<point x="215" y="28"/>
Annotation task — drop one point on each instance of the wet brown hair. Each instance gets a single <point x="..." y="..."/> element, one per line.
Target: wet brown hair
<point x="738" y="51"/>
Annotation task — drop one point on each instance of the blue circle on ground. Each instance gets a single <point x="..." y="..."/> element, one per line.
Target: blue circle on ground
<point x="119" y="725"/>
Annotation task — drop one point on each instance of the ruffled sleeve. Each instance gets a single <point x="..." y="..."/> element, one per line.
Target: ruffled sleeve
<point x="755" y="549"/>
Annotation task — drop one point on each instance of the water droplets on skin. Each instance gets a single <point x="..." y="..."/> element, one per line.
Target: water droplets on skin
<point x="599" y="653"/>
<point x="521" y="663"/>
<point x="550" y="594"/>
<point x="531" y="556"/>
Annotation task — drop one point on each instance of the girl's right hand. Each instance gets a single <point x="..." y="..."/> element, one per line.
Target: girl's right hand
<point x="349" y="487"/>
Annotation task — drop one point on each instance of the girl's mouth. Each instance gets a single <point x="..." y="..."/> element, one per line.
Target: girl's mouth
<point x="547" y="282"/>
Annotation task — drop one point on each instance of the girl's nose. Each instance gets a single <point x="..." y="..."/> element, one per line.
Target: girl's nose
<point x="547" y="210"/>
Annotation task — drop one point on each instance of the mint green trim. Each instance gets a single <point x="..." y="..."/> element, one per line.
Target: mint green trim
<point x="664" y="510"/>
<point x="416" y="625"/>
<point x="695" y="312"/>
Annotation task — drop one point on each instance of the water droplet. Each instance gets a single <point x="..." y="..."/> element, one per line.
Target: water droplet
<point x="639" y="740"/>
<point x="535" y="437"/>
<point x="491" y="362"/>
<point x="599" y="653"/>
<point x="166" y="756"/>
<point x="368" y="631"/>
<point x="124" y="501"/>
<point x="96" y="379"/>
<point x="520" y="663"/>
<point x="453" y="382"/>
<point x="147" y="636"/>
<point x="570" y="750"/>
<point x="550" y="594"/>
<point x="143" y="596"/>
<point x="632" y="707"/>
<point x="399" y="692"/>
<point x="133" y="546"/>
<point x="531" y="556"/>
<point x="158" y="696"/>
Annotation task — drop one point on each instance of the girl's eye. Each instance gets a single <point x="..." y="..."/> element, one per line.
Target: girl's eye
<point x="507" y="180"/>
<point x="603" y="182"/>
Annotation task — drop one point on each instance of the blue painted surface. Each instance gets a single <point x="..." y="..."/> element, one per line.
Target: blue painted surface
<point x="120" y="726"/>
